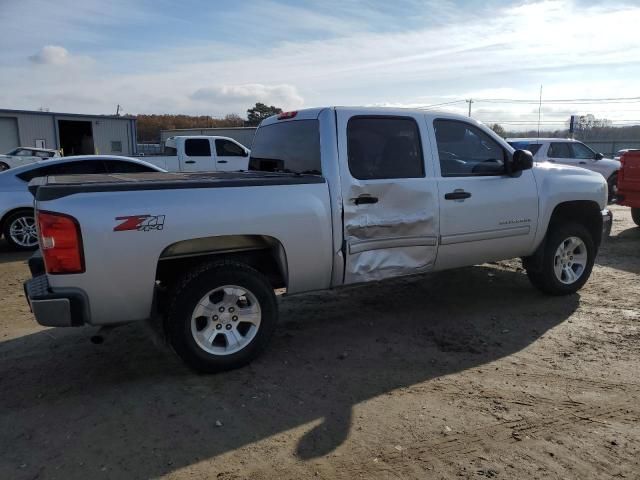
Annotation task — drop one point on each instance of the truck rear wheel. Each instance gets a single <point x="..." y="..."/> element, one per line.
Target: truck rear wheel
<point x="221" y="316"/>
<point x="567" y="260"/>
<point x="635" y="215"/>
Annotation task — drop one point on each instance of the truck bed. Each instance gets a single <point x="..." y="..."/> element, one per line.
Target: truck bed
<point x="52" y="187"/>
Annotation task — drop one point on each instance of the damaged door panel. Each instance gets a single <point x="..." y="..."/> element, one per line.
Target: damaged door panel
<point x="390" y="197"/>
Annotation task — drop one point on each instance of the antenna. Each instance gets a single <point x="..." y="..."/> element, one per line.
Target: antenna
<point x="539" y="111"/>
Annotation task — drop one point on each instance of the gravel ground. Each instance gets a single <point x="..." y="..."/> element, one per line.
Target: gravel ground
<point x="469" y="373"/>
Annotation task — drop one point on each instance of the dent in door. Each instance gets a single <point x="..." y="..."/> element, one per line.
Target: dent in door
<point x="393" y="237"/>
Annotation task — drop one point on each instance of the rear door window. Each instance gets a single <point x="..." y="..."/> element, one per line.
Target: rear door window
<point x="384" y="147"/>
<point x="291" y="146"/>
<point x="559" y="150"/>
<point x="197" y="147"/>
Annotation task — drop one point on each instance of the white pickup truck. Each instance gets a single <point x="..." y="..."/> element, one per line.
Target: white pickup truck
<point x="201" y="154"/>
<point x="339" y="196"/>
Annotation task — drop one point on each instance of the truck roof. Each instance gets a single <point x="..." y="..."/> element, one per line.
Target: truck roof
<point x="535" y="139"/>
<point x="314" y="113"/>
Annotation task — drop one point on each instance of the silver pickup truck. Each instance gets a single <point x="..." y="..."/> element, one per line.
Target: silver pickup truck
<point x="334" y="196"/>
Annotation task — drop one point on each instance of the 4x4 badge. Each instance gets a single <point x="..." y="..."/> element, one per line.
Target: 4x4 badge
<point x="142" y="223"/>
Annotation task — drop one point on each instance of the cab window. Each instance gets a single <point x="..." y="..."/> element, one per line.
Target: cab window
<point x="559" y="150"/>
<point x="197" y="147"/>
<point x="226" y="148"/>
<point x="384" y="147"/>
<point x="466" y="151"/>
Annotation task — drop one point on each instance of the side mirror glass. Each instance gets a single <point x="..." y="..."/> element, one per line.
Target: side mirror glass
<point x="521" y="160"/>
<point x="599" y="156"/>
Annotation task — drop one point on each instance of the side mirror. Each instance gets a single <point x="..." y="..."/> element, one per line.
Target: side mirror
<point x="246" y="153"/>
<point x="598" y="156"/>
<point x="521" y="160"/>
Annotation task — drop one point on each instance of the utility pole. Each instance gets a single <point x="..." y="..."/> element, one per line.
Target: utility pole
<point x="470" y="101"/>
<point x="118" y="110"/>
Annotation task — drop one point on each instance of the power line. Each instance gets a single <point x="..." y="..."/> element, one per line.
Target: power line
<point x="435" y="105"/>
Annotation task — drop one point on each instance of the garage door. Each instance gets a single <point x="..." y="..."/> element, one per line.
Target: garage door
<point x="8" y="134"/>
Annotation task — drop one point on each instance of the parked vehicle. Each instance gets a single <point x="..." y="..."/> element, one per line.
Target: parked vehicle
<point x="201" y="154"/>
<point x="571" y="152"/>
<point x="629" y="183"/>
<point x="341" y="196"/>
<point x="17" y="223"/>
<point x="25" y="155"/>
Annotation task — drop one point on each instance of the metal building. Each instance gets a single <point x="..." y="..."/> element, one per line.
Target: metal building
<point x="75" y="134"/>
<point x="244" y="135"/>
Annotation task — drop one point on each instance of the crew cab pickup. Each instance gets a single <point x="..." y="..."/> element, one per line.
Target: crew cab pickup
<point x="201" y="154"/>
<point x="629" y="183"/>
<point x="336" y="196"/>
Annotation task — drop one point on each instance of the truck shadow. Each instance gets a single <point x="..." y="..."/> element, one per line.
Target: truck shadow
<point x="8" y="254"/>
<point x="126" y="407"/>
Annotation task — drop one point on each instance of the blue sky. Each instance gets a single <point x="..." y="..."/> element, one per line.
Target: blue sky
<point x="219" y="57"/>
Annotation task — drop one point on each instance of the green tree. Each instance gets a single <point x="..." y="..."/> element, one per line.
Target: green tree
<point x="261" y="111"/>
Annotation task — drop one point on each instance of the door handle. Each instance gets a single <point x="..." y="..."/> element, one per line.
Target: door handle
<point x="362" y="199"/>
<point x="190" y="161"/>
<point x="222" y="161"/>
<point x="457" y="195"/>
<point x="582" y="163"/>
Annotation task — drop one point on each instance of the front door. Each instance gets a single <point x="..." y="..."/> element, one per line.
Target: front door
<point x="389" y="194"/>
<point x="230" y="157"/>
<point x="197" y="155"/>
<point x="485" y="214"/>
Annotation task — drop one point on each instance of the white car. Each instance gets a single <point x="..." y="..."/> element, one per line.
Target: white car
<point x="16" y="203"/>
<point x="570" y="152"/>
<point x="25" y="155"/>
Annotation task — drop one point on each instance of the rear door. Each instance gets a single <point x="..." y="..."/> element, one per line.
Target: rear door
<point x="390" y="205"/>
<point x="230" y="156"/>
<point x="197" y="155"/>
<point x="485" y="214"/>
<point x="561" y="152"/>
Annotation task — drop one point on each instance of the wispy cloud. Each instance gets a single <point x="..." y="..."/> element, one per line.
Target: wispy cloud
<point x="57" y="55"/>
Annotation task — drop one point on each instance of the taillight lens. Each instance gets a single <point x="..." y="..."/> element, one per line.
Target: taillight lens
<point x="61" y="243"/>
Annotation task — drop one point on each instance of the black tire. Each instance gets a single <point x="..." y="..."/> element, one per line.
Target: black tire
<point x="635" y="215"/>
<point x="3" y="167"/>
<point x="188" y="293"/>
<point x="612" y="184"/>
<point x="545" y="277"/>
<point x="12" y="218"/>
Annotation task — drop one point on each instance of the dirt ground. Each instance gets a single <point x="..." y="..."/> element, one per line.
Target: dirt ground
<point x="470" y="373"/>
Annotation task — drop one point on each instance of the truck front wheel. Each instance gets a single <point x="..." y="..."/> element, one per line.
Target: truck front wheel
<point x="567" y="260"/>
<point x="221" y="316"/>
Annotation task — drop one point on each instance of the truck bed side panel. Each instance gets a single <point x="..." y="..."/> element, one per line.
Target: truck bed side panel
<point x="121" y="265"/>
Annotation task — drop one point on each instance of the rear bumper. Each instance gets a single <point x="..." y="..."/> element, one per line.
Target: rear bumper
<point x="607" y="222"/>
<point x="51" y="308"/>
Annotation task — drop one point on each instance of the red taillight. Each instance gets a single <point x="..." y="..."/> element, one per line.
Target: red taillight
<point x="287" y="115"/>
<point x="60" y="242"/>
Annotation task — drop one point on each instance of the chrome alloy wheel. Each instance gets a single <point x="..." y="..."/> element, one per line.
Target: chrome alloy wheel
<point x="570" y="260"/>
<point x="226" y="320"/>
<point x="23" y="231"/>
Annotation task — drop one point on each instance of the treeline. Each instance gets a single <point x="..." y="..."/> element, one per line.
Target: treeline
<point x="591" y="134"/>
<point x="149" y="126"/>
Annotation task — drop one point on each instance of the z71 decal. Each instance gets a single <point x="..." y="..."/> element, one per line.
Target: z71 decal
<point x="142" y="223"/>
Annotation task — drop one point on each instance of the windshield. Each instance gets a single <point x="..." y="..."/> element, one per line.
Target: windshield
<point x="292" y="147"/>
